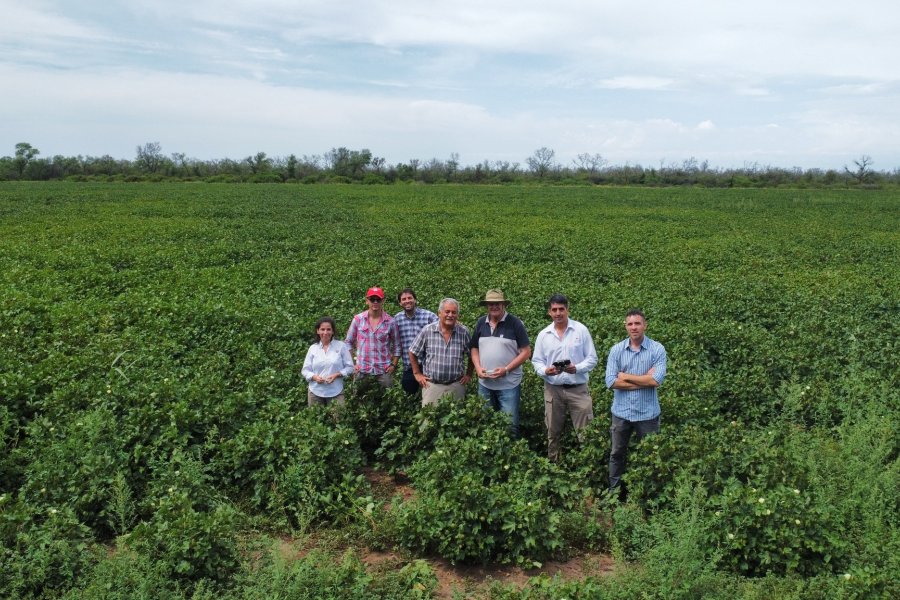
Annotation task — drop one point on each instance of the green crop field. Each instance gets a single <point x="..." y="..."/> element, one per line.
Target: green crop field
<point x="156" y="440"/>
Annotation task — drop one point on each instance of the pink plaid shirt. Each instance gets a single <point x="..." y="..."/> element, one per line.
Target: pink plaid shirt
<point x="374" y="347"/>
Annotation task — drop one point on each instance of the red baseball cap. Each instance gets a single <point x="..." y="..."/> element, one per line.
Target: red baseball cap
<point x="375" y="291"/>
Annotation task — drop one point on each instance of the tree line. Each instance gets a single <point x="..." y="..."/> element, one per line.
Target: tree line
<point x="343" y="165"/>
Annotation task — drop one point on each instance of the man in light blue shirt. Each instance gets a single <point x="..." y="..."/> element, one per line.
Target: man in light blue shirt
<point x="635" y="368"/>
<point x="563" y="355"/>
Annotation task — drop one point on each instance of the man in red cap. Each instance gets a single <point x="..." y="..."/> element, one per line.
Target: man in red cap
<point x="375" y="339"/>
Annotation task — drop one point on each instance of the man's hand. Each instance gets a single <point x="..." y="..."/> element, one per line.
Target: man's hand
<point x="422" y="379"/>
<point x="465" y="379"/>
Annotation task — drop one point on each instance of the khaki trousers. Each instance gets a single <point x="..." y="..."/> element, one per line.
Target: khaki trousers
<point x="435" y="391"/>
<point x="558" y="399"/>
<point x="313" y="400"/>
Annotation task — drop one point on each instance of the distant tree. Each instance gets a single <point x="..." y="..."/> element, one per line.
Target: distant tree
<point x="348" y="163"/>
<point x="25" y="153"/>
<point x="591" y="163"/>
<point x="291" y="167"/>
<point x="863" y="171"/>
<point x="452" y="165"/>
<point x="149" y="157"/>
<point x="259" y="163"/>
<point x="179" y="160"/>
<point x="541" y="161"/>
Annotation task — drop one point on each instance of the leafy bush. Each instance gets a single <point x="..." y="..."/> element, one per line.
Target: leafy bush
<point x="485" y="498"/>
<point x="418" y="431"/>
<point x="42" y="551"/>
<point x="379" y="417"/>
<point x="321" y="576"/>
<point x="76" y="465"/>
<point x="299" y="463"/>
<point x="192" y="530"/>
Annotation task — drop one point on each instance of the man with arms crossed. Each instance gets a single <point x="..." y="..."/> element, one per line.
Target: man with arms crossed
<point x="438" y="356"/>
<point x="410" y="322"/>
<point x="499" y="347"/>
<point x="374" y="337"/>
<point x="635" y="368"/>
<point x="564" y="354"/>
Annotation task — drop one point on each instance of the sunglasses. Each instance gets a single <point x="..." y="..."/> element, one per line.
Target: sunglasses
<point x="375" y="299"/>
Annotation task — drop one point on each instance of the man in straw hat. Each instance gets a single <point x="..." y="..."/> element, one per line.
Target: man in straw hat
<point x="499" y="347"/>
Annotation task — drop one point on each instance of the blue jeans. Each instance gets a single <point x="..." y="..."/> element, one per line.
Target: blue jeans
<point x="506" y="401"/>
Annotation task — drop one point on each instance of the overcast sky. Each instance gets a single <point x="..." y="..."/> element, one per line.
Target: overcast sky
<point x="774" y="82"/>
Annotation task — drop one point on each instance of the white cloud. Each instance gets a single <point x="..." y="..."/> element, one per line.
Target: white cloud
<point x="419" y="78"/>
<point x="635" y="82"/>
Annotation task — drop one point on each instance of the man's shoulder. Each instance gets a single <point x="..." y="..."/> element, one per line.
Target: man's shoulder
<point x="426" y="313"/>
<point x="513" y="319"/>
<point x="578" y="325"/>
<point x="545" y="330"/>
<point x="619" y="346"/>
<point x="653" y="344"/>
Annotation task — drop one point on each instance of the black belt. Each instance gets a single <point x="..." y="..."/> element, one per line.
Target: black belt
<point x="447" y="382"/>
<point x="568" y="386"/>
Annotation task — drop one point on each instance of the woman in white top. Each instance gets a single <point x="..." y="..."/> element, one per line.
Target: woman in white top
<point x="327" y="362"/>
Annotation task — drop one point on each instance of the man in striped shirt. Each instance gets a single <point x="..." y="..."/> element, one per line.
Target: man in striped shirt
<point x="635" y="368"/>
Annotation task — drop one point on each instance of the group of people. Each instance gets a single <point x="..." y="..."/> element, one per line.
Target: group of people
<point x="440" y="357"/>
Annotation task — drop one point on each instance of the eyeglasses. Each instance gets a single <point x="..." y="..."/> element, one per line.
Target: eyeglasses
<point x="375" y="299"/>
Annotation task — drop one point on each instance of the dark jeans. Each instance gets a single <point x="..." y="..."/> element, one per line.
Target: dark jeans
<point x="408" y="382"/>
<point x="620" y="431"/>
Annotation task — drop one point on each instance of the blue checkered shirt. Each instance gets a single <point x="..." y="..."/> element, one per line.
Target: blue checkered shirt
<point x="410" y="328"/>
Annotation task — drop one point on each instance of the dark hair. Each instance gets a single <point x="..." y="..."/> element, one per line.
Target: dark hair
<point x="635" y="312"/>
<point x="558" y="299"/>
<point x="407" y="291"/>
<point x="319" y="323"/>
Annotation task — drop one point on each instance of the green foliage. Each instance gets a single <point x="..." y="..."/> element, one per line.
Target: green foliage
<point x="76" y="464"/>
<point x="418" y="432"/>
<point x="297" y="462"/>
<point x="42" y="550"/>
<point x="151" y="337"/>
<point x="321" y="576"/>
<point x="485" y="497"/>
<point x="127" y="575"/>
<point x="379" y="417"/>
<point x="193" y="530"/>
